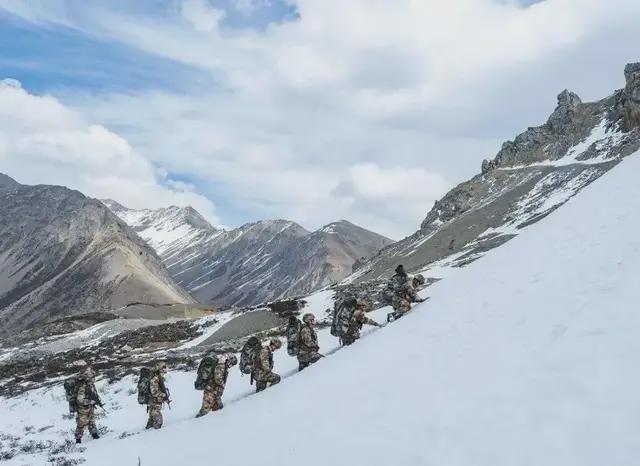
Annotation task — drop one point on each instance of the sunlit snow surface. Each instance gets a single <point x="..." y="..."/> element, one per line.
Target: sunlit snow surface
<point x="527" y="357"/>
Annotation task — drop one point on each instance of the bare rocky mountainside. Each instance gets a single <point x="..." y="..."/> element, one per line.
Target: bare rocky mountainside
<point x="255" y="263"/>
<point x="528" y="179"/>
<point x="62" y="253"/>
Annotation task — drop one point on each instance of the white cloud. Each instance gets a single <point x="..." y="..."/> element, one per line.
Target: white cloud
<point x="201" y="15"/>
<point x="397" y="184"/>
<point x="44" y="142"/>
<point x="396" y="91"/>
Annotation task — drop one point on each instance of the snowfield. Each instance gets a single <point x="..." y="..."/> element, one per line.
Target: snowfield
<point x="528" y="356"/>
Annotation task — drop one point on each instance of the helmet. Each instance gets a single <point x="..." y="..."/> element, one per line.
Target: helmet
<point x="277" y="344"/>
<point x="232" y="360"/>
<point x="308" y="318"/>
<point x="419" y="279"/>
<point x="161" y="366"/>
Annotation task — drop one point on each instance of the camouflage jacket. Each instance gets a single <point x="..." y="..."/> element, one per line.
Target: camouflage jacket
<point x="157" y="389"/>
<point x="264" y="361"/>
<point x="398" y="284"/>
<point x="87" y="394"/>
<point x="358" y="319"/>
<point x="220" y="374"/>
<point x="308" y="342"/>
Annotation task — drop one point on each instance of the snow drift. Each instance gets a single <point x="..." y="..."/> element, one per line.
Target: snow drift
<point x="528" y="356"/>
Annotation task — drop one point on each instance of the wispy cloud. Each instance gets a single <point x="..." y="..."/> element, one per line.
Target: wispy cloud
<point x="309" y="116"/>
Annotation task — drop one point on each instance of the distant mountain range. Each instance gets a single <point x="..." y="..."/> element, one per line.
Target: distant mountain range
<point x="254" y="263"/>
<point x="62" y="253"/>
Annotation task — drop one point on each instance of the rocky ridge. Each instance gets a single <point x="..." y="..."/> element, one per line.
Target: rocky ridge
<point x="62" y="253"/>
<point x="529" y="178"/>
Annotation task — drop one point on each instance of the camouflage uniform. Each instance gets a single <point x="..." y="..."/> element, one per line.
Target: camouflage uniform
<point x="86" y="399"/>
<point x="213" y="390"/>
<point x="263" y="370"/>
<point x="404" y="295"/>
<point x="307" y="347"/>
<point x="157" y="397"/>
<point x="358" y="319"/>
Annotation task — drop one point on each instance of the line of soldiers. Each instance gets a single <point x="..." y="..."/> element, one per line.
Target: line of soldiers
<point x="302" y="343"/>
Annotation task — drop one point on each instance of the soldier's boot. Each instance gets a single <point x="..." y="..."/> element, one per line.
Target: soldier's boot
<point x="78" y="440"/>
<point x="95" y="435"/>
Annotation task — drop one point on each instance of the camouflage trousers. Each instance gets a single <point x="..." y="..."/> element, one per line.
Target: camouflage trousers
<point x="86" y="418"/>
<point x="266" y="379"/>
<point x="211" y="400"/>
<point x="306" y="359"/>
<point x="400" y="305"/>
<point x="155" y="415"/>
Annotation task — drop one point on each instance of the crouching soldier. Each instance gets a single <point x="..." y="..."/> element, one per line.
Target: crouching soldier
<point x="158" y="395"/>
<point x="308" y="343"/>
<point x="86" y="400"/>
<point x="263" y="368"/>
<point x="358" y="319"/>
<point x="404" y="293"/>
<point x="214" y="388"/>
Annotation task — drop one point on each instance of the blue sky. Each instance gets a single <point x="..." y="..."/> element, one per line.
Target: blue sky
<point x="311" y="110"/>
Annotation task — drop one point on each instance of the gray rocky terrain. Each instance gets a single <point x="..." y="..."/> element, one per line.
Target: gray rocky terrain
<point x="62" y="253"/>
<point x="529" y="178"/>
<point x="257" y="262"/>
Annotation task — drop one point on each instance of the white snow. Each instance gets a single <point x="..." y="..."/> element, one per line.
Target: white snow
<point x="527" y="357"/>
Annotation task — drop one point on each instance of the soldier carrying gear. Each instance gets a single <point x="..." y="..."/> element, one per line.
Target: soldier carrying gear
<point x="263" y="367"/>
<point x="308" y="343"/>
<point x="358" y="319"/>
<point x="86" y="400"/>
<point x="419" y="280"/>
<point x="405" y="293"/>
<point x="158" y="395"/>
<point x="214" y="387"/>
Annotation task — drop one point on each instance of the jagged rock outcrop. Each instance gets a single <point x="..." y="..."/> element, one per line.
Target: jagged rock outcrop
<point x="529" y="178"/>
<point x="631" y="98"/>
<point x="257" y="262"/>
<point x="62" y="253"/>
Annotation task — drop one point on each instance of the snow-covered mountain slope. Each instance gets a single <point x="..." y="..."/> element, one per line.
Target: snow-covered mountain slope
<point x="529" y="178"/>
<point x="62" y="253"/>
<point x="526" y="357"/>
<point x="254" y="263"/>
<point x="168" y="230"/>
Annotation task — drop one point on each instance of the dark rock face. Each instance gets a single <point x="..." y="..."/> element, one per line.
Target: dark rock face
<point x="631" y="99"/>
<point x="62" y="253"/>
<point x="529" y="178"/>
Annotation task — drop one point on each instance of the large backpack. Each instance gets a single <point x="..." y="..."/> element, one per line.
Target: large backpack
<point x="71" y="387"/>
<point x="248" y="354"/>
<point x="205" y="371"/>
<point x="293" y="334"/>
<point x="342" y="314"/>
<point x="144" y="386"/>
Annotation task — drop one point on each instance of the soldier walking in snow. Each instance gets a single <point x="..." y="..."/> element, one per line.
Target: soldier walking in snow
<point x="263" y="367"/>
<point x="405" y="292"/>
<point x="214" y="387"/>
<point x="158" y="395"/>
<point x="86" y="400"/>
<point x="357" y="320"/>
<point x="308" y="343"/>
